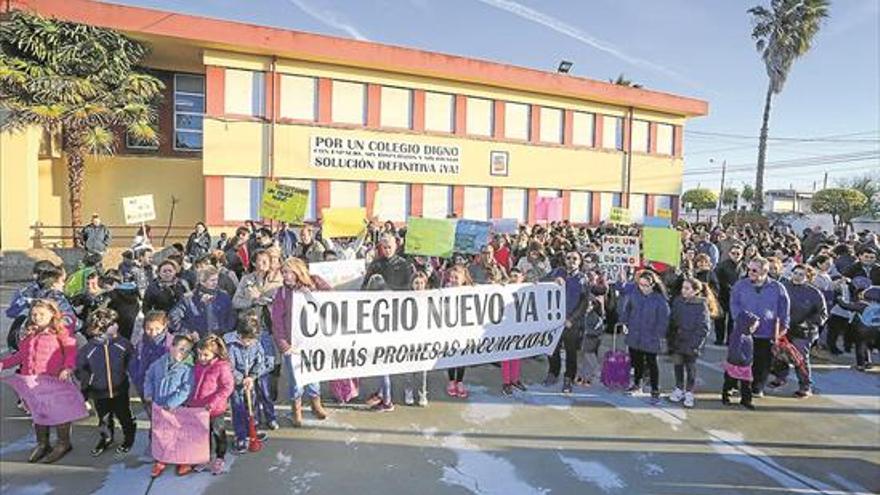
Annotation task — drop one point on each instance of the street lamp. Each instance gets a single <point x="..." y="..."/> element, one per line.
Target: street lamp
<point x="564" y="67"/>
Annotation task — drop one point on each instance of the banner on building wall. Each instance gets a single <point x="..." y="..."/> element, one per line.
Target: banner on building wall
<point x="662" y="245"/>
<point x="620" y="215"/>
<point x="471" y="236"/>
<point x="343" y="222"/>
<point x="620" y="254"/>
<point x="138" y="209"/>
<point x="284" y="203"/>
<point x="430" y="237"/>
<point x="355" y="334"/>
<point x="548" y="209"/>
<point x="341" y="274"/>
<point x="328" y="151"/>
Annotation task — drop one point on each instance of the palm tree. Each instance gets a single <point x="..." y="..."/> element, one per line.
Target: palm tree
<point x="623" y="81"/>
<point x="79" y="82"/>
<point x="782" y="34"/>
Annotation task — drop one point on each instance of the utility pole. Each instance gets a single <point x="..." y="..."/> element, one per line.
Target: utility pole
<point x="825" y="181"/>
<point x="721" y="191"/>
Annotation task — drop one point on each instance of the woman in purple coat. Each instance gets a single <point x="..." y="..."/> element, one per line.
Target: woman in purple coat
<point x="645" y="313"/>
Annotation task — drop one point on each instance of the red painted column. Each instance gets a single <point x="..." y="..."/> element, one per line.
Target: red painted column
<point x="270" y="87"/>
<point x="568" y="128"/>
<point x="627" y="135"/>
<point x="676" y="204"/>
<point x="597" y="131"/>
<point x="215" y="91"/>
<point x="458" y="201"/>
<point x="322" y="196"/>
<point x="535" y="124"/>
<point x="497" y="202"/>
<point x="595" y="207"/>
<point x="370" y="189"/>
<point x="374" y="105"/>
<point x="325" y="100"/>
<point x="652" y="138"/>
<point x="678" y="140"/>
<point x="460" y="115"/>
<point x="418" y="113"/>
<point x="649" y="205"/>
<point x="416" y="199"/>
<point x="498" y="115"/>
<point x="214" y="200"/>
<point x="566" y="205"/>
<point x="532" y="199"/>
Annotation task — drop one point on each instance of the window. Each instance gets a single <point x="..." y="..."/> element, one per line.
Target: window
<point x="612" y="133"/>
<point x="480" y="116"/>
<point x="516" y="121"/>
<point x="189" y="111"/>
<point x="640" y="136"/>
<point x="244" y="92"/>
<point x="436" y="201"/>
<point x="514" y="204"/>
<point x="551" y="125"/>
<point x="477" y="203"/>
<point x="439" y="112"/>
<point x="299" y="97"/>
<point x="580" y="207"/>
<point x="349" y="103"/>
<point x="664" y="139"/>
<point x="396" y="108"/>
<point x="134" y="143"/>
<point x="582" y="127"/>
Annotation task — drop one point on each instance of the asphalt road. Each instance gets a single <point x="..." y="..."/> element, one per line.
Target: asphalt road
<point x="540" y="441"/>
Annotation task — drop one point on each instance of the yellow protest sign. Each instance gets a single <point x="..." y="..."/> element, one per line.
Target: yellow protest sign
<point x="619" y="215"/>
<point x="343" y="222"/>
<point x="284" y="203"/>
<point x="663" y="213"/>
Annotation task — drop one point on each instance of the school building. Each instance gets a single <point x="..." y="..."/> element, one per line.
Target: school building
<point x="397" y="130"/>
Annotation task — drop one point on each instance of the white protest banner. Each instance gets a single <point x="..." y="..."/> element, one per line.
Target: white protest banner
<point x="348" y="151"/>
<point x="342" y="274"/>
<point x="354" y="334"/>
<point x="618" y="253"/>
<point x="138" y="209"/>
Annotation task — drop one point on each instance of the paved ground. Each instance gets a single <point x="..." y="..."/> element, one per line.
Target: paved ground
<point x="535" y="442"/>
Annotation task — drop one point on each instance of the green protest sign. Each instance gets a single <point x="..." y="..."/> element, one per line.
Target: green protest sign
<point x="620" y="215"/>
<point x="430" y="237"/>
<point x="662" y="245"/>
<point x="285" y="203"/>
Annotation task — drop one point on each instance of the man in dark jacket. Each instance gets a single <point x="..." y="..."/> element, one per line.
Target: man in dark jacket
<point x="396" y="270"/>
<point x="728" y="273"/>
<point x="866" y="266"/>
<point x="808" y="315"/>
<point x="95" y="236"/>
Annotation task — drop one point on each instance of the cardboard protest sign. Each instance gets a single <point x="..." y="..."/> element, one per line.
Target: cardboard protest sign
<point x="181" y="435"/>
<point x="662" y="245"/>
<point x="505" y="225"/>
<point x="548" y="209"/>
<point x="138" y="209"/>
<point x="619" y="254"/>
<point x="471" y="236"/>
<point x="620" y="215"/>
<point x="430" y="237"/>
<point x="343" y="222"/>
<point x="50" y="400"/>
<point x="354" y="334"/>
<point x="342" y="274"/>
<point x="663" y="213"/>
<point x="284" y="203"/>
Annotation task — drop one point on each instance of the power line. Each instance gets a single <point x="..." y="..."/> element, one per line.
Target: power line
<point x="816" y="139"/>
<point x="794" y="162"/>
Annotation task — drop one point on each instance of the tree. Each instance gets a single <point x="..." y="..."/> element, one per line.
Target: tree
<point x="748" y="194"/>
<point x="782" y="33"/>
<point x="842" y="204"/>
<point x="869" y="185"/>
<point x="79" y="82"/>
<point x="729" y="197"/>
<point x="699" y="199"/>
<point x="623" y="81"/>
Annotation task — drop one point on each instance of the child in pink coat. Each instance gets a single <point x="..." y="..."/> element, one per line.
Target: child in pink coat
<point x="213" y="386"/>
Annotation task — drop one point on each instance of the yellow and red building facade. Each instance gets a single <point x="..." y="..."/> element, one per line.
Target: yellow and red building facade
<point x="356" y="123"/>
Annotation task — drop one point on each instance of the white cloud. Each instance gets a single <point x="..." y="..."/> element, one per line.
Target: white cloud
<point x="330" y="18"/>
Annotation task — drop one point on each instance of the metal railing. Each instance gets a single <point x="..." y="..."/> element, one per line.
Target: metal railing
<point x="56" y="236"/>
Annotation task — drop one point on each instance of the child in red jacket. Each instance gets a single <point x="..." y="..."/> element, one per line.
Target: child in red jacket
<point x="46" y="348"/>
<point x="213" y="386"/>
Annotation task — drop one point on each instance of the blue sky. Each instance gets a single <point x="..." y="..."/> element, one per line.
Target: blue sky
<point x="694" y="48"/>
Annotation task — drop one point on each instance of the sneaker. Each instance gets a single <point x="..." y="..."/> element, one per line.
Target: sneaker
<point x="157" y="470"/>
<point x="123" y="449"/>
<point x="507" y="389"/>
<point x="677" y="395"/>
<point x="262" y="436"/>
<point x="21" y="405"/>
<point x="201" y="468"/>
<point x="384" y="407"/>
<point x="273" y="425"/>
<point x="633" y="389"/>
<point x="101" y="446"/>
<point x="748" y="405"/>
<point x="408" y="397"/>
<point x="240" y="447"/>
<point x="689" y="399"/>
<point x="566" y="386"/>
<point x="451" y="389"/>
<point x="757" y="394"/>
<point x="462" y="391"/>
<point x="725" y="401"/>
<point x="373" y="400"/>
<point x="550" y="380"/>
<point x="655" y="396"/>
<point x="519" y="385"/>
<point x="184" y="469"/>
<point x="218" y="466"/>
<point x="776" y="383"/>
<point x="803" y="393"/>
<point x="423" y="400"/>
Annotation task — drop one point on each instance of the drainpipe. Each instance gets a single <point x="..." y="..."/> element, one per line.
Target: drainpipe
<point x="274" y="118"/>
<point x="629" y="152"/>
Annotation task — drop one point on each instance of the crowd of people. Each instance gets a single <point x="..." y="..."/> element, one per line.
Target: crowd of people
<point x="205" y="323"/>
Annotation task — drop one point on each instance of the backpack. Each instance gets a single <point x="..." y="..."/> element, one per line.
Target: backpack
<point x="871" y="315"/>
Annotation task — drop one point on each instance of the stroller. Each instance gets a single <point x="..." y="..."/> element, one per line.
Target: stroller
<point x="616" y="365"/>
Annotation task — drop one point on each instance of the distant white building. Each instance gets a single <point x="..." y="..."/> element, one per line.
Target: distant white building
<point x="787" y="201"/>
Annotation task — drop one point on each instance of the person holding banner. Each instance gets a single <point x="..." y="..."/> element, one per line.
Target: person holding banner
<point x="645" y="313"/>
<point x="457" y="276"/>
<point x="295" y="278"/>
<point x="213" y="386"/>
<point x="395" y="269"/>
<point x="510" y="369"/>
<point x="155" y="343"/>
<point x="535" y="265"/>
<point x="419" y="282"/>
<point x="577" y="299"/>
<point x="46" y="348"/>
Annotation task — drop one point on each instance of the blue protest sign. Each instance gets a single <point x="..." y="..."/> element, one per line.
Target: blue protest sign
<point x="471" y="236"/>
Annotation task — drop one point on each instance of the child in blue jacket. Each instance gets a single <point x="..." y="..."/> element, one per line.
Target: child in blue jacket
<point x="156" y="342"/>
<point x="248" y="362"/>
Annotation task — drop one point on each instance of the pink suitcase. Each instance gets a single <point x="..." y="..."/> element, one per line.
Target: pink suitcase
<point x="615" y="366"/>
